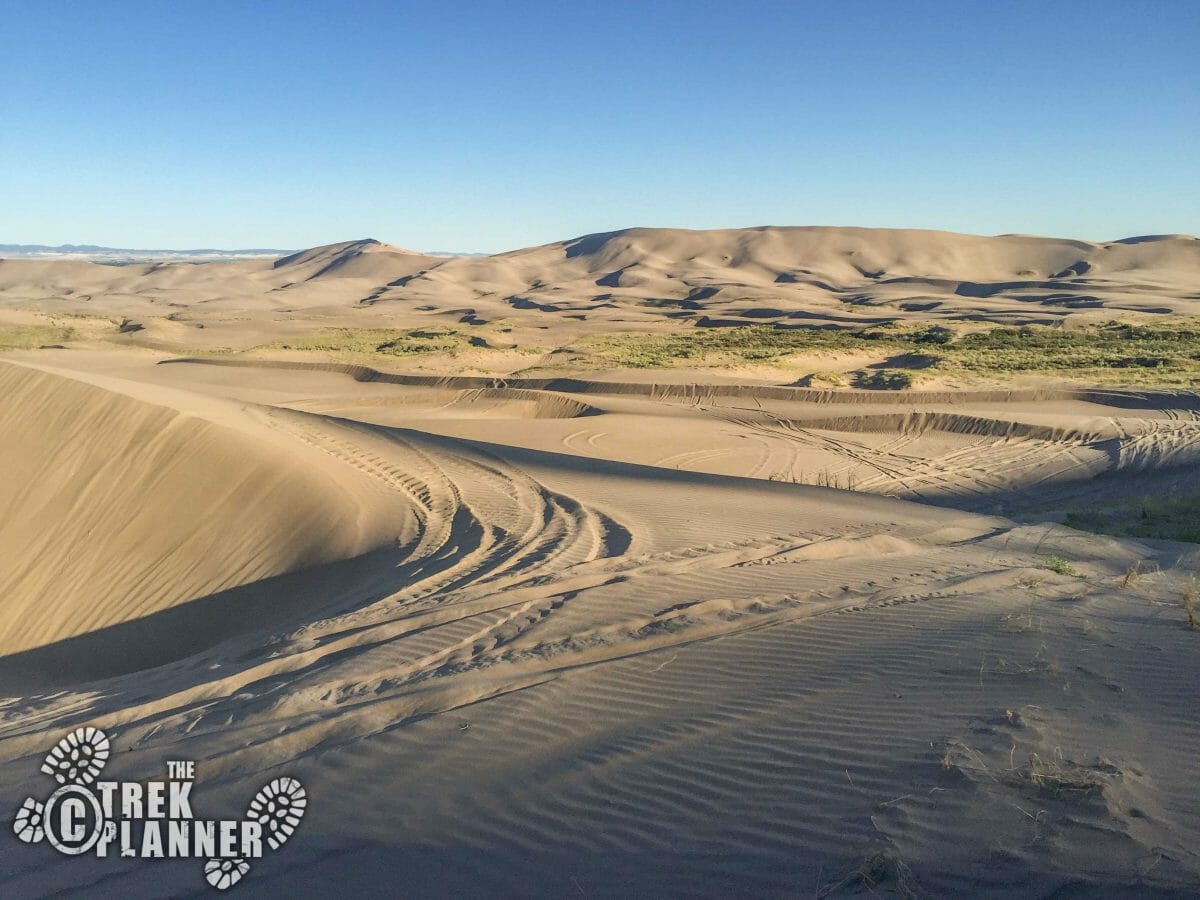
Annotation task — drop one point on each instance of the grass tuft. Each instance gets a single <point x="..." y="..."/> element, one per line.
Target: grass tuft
<point x="1057" y="777"/>
<point x="1061" y="566"/>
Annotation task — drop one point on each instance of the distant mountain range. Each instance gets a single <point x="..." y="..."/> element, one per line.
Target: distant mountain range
<point x="94" y="253"/>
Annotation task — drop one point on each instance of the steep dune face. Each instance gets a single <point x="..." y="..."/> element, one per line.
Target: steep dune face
<point x="114" y="509"/>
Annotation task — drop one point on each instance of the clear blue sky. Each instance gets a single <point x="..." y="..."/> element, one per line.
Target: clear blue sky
<point x="490" y="126"/>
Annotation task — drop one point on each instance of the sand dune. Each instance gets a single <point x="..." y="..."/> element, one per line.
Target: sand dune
<point x="117" y="508"/>
<point x="607" y="633"/>
<point x="829" y="276"/>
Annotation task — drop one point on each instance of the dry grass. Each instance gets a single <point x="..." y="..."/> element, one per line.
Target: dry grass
<point x="1062" y="779"/>
<point x="824" y="478"/>
<point x="881" y="870"/>
<point x="1191" y="594"/>
<point x="1019" y="623"/>
<point x="1031" y="582"/>
<point x="1036" y="666"/>
<point x="1056" y="778"/>
<point x="961" y="757"/>
<point x="1132" y="574"/>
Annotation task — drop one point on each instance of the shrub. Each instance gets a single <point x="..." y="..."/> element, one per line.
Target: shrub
<point x="1060" y="566"/>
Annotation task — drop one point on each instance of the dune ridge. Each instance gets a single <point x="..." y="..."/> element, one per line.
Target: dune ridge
<point x="1166" y="398"/>
<point x="671" y="277"/>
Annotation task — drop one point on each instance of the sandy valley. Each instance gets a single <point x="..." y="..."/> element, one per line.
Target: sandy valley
<point x="775" y="562"/>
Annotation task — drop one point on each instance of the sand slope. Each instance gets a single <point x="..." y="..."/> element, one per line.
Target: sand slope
<point x="116" y="508"/>
<point x="575" y="639"/>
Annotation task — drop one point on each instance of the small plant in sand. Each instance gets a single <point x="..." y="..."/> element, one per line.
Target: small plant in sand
<point x="1055" y="777"/>
<point x="932" y="334"/>
<point x="1191" y="594"/>
<point x="885" y="380"/>
<point x="1060" y="566"/>
<point x="1036" y="666"/>
<point x="1132" y="574"/>
<point x="962" y="757"/>
<point x="1018" y="623"/>
<point x="882" y="869"/>
<point x="823" y="379"/>
<point x="824" y="478"/>
<point x="1031" y="582"/>
<point x="1039" y="665"/>
<point x="1062" y="779"/>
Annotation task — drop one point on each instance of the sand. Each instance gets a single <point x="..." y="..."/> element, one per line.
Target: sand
<point x="609" y="634"/>
<point x="638" y="279"/>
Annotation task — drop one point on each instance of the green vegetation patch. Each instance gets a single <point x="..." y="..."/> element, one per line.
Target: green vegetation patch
<point x="884" y="379"/>
<point x="1159" y="353"/>
<point x="1171" y="351"/>
<point x="707" y="346"/>
<point x="1116" y="352"/>
<point x="1061" y="566"/>
<point x="371" y="341"/>
<point x="1173" y="518"/>
<point x="30" y="337"/>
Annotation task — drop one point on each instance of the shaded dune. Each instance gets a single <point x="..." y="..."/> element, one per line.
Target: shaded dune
<point x="918" y="422"/>
<point x="488" y="403"/>
<point x="1140" y="399"/>
<point x="117" y="508"/>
